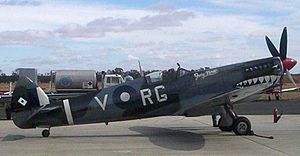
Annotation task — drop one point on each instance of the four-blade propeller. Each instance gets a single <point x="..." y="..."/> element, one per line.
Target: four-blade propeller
<point x="288" y="63"/>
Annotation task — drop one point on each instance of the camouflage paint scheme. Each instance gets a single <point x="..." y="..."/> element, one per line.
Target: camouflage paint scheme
<point x="184" y="95"/>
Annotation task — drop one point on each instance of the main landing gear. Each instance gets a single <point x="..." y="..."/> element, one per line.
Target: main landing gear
<point x="46" y="133"/>
<point x="229" y="121"/>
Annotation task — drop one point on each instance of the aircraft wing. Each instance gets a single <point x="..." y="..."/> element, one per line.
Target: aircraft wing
<point x="295" y="89"/>
<point x="278" y="91"/>
<point x="233" y="97"/>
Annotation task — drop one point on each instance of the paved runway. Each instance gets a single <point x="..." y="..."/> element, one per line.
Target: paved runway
<point x="157" y="136"/>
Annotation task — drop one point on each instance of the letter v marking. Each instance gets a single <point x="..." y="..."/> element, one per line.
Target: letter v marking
<point x="102" y="105"/>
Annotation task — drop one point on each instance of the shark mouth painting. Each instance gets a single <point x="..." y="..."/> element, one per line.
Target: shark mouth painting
<point x="271" y="79"/>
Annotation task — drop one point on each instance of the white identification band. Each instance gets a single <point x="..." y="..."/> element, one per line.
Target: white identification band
<point x="68" y="112"/>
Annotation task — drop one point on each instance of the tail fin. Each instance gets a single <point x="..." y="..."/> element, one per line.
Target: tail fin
<point x="26" y="99"/>
<point x="27" y="95"/>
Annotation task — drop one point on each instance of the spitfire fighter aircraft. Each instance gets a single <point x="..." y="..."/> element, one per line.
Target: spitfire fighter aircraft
<point x="187" y="94"/>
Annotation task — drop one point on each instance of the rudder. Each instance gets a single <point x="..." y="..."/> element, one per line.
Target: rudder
<point x="26" y="98"/>
<point x="27" y="95"/>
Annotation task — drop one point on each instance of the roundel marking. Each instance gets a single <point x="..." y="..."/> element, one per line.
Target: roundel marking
<point x="125" y="97"/>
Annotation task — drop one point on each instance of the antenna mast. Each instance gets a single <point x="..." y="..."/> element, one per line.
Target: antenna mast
<point x="141" y="71"/>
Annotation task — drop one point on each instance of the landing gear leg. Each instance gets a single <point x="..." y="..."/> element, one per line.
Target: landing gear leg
<point x="227" y="119"/>
<point x="46" y="133"/>
<point x="214" y="119"/>
<point x="232" y="122"/>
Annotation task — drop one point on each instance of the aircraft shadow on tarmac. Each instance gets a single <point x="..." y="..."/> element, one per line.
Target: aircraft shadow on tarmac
<point x="13" y="137"/>
<point x="172" y="138"/>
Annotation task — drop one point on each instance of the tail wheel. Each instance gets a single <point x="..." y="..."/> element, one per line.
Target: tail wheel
<point x="242" y="126"/>
<point x="224" y="128"/>
<point x="45" y="133"/>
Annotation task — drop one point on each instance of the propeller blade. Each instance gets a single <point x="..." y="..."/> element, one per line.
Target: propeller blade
<point x="272" y="48"/>
<point x="290" y="77"/>
<point x="283" y="44"/>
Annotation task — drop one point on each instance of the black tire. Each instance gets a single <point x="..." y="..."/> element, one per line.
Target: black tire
<point x="242" y="126"/>
<point x="224" y="128"/>
<point x="45" y="133"/>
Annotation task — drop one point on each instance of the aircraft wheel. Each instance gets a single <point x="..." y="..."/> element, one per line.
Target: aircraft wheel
<point x="224" y="128"/>
<point x="46" y="133"/>
<point x="242" y="126"/>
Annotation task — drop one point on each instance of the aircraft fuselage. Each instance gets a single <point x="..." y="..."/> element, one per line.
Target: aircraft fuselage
<point x="142" y="99"/>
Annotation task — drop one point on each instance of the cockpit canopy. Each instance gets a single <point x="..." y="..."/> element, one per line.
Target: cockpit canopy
<point x="181" y="72"/>
<point x="154" y="77"/>
<point x="159" y="76"/>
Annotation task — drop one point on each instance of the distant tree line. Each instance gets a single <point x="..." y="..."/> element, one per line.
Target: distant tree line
<point x="46" y="77"/>
<point x="8" y="78"/>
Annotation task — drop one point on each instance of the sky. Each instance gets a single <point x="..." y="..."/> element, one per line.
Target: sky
<point x="102" y="35"/>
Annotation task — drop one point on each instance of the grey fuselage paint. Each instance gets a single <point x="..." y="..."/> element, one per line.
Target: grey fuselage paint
<point x="139" y="99"/>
